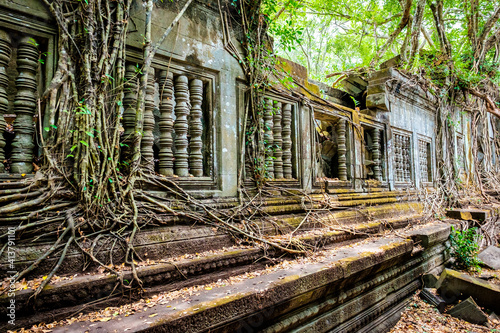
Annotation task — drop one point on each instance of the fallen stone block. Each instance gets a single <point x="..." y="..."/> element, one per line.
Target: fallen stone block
<point x="453" y="285"/>
<point x="490" y="257"/>
<point x="468" y="214"/>
<point x="430" y="295"/>
<point x="469" y="311"/>
<point x="431" y="235"/>
<point x="430" y="280"/>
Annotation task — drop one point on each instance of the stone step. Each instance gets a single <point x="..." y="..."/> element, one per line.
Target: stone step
<point x="468" y="214"/>
<point x="360" y="281"/>
<point x="162" y="242"/>
<point x="164" y="275"/>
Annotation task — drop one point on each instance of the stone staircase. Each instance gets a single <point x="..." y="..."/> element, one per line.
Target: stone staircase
<point x="182" y="255"/>
<point x="350" y="289"/>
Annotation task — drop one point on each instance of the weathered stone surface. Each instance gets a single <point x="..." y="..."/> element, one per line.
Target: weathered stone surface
<point x="430" y="295"/>
<point x="490" y="257"/>
<point x="468" y="214"/>
<point x="469" y="311"/>
<point x="376" y="101"/>
<point x="431" y="235"/>
<point x="430" y="280"/>
<point x="453" y="285"/>
<point x="393" y="62"/>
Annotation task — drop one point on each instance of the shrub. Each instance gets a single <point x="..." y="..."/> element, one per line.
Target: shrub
<point x="465" y="247"/>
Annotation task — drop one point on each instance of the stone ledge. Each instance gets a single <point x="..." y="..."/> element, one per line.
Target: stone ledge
<point x="94" y="287"/>
<point x="468" y="214"/>
<point x="431" y="235"/>
<point x="453" y="285"/>
<point x="275" y="294"/>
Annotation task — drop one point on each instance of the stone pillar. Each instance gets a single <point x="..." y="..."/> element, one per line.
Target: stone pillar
<point x="268" y="136"/>
<point x="130" y="107"/>
<point x="377" y="170"/>
<point x="5" y="54"/>
<point x="342" y="149"/>
<point x="287" y="140"/>
<point x="196" y="128"/>
<point x="147" y="153"/>
<point x="181" y="126"/>
<point x="25" y="106"/>
<point x="166" y="156"/>
<point x="278" y="141"/>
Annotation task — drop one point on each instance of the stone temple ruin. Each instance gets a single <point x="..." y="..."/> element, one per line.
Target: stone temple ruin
<point x="366" y="159"/>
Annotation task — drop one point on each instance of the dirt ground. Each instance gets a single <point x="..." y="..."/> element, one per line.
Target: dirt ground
<point x="422" y="317"/>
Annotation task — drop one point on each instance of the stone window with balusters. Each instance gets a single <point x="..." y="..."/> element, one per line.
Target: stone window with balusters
<point x="177" y="139"/>
<point x="402" y="157"/>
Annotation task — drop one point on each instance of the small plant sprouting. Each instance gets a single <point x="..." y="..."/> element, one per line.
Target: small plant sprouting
<point x="465" y="247"/>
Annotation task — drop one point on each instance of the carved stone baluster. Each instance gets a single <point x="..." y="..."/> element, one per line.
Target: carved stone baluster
<point x="287" y="140"/>
<point x="377" y="170"/>
<point x="407" y="161"/>
<point x="25" y="106"/>
<point x="196" y="128"/>
<point x="342" y="149"/>
<point x="5" y="53"/>
<point x="278" y="141"/>
<point x="268" y="136"/>
<point x="166" y="156"/>
<point x="181" y="126"/>
<point x="130" y="106"/>
<point x="422" y="154"/>
<point x="147" y="141"/>
<point x="460" y="152"/>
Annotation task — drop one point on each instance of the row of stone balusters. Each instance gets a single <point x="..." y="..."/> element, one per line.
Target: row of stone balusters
<point x="402" y="159"/>
<point x="278" y="138"/>
<point x="24" y="101"/>
<point x="181" y="97"/>
<point x="423" y="161"/>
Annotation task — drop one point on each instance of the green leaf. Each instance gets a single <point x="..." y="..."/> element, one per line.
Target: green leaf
<point x="84" y="143"/>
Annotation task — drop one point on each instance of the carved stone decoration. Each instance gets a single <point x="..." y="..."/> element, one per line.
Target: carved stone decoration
<point x="25" y="106"/>
<point x="147" y="153"/>
<point x="406" y="160"/>
<point x="398" y="157"/>
<point x="268" y="136"/>
<point x="342" y="149"/>
<point x="196" y="128"/>
<point x="460" y="152"/>
<point x="5" y="54"/>
<point x="130" y="106"/>
<point x="402" y="158"/>
<point x="166" y="156"/>
<point x="278" y="141"/>
<point x="287" y="140"/>
<point x="376" y="154"/>
<point x="181" y="126"/>
<point x="424" y="158"/>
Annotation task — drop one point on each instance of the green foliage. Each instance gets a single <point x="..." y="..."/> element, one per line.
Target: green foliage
<point x="328" y="36"/>
<point x="465" y="247"/>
